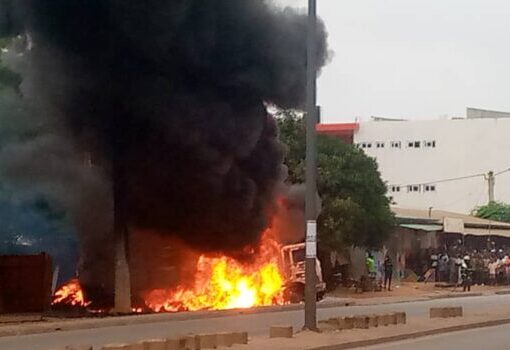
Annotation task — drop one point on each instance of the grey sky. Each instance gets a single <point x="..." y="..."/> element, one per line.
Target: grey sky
<point x="417" y="59"/>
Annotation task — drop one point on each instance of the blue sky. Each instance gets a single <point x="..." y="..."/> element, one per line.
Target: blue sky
<point x="414" y="59"/>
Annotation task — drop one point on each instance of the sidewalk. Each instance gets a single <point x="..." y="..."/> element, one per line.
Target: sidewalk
<point x="415" y="291"/>
<point x="348" y="339"/>
<point x="33" y="324"/>
<point x="11" y="325"/>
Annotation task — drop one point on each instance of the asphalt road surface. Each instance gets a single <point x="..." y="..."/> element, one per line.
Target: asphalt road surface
<point x="494" y="338"/>
<point x="255" y="324"/>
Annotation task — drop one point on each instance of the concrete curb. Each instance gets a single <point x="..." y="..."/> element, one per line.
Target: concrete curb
<point x="419" y="334"/>
<point x="460" y="295"/>
<point x="425" y="298"/>
<point x="115" y="321"/>
<point x="503" y="292"/>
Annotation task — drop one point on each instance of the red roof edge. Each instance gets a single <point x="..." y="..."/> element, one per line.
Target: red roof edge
<point x="337" y="129"/>
<point x="344" y="131"/>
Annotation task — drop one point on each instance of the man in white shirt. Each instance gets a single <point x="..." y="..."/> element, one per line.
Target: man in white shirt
<point x="493" y="265"/>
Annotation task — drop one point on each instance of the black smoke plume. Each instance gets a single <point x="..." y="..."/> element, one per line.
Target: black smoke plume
<point x="169" y="98"/>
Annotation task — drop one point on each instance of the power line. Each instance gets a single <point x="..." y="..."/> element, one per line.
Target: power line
<point x="453" y="178"/>
<point x="448" y="204"/>
<point x="443" y="180"/>
<point x="502" y="172"/>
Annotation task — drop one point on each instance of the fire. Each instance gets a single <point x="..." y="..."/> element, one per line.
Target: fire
<point x="71" y="294"/>
<point x="222" y="283"/>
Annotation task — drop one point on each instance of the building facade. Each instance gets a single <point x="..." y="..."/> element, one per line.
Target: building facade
<point x="439" y="164"/>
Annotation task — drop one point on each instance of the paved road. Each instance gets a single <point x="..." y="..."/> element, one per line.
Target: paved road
<point x="255" y="324"/>
<point x="494" y="338"/>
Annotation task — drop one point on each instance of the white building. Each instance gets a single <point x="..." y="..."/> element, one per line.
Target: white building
<point x="439" y="164"/>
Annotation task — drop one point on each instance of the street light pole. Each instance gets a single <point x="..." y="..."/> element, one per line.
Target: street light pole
<point x="310" y="172"/>
<point x="491" y="180"/>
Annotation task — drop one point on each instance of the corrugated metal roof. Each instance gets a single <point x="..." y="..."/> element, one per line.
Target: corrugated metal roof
<point x="441" y="214"/>
<point x="433" y="222"/>
<point x="486" y="232"/>
<point x="423" y="227"/>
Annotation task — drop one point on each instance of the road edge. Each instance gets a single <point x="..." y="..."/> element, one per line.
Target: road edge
<point x="119" y="321"/>
<point x="412" y="335"/>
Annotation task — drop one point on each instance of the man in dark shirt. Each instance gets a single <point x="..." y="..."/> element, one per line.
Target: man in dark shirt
<point x="388" y="272"/>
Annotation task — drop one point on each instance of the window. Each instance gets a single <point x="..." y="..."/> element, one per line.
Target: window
<point x="429" y="144"/>
<point x="379" y="144"/>
<point x="413" y="144"/>
<point x="430" y="188"/>
<point x="396" y="144"/>
<point x="366" y="145"/>
<point x="298" y="255"/>
<point x="395" y="188"/>
<point x="413" y="188"/>
<point x="417" y="144"/>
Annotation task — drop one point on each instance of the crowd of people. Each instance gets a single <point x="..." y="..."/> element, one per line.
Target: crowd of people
<point x="462" y="267"/>
<point x="457" y="266"/>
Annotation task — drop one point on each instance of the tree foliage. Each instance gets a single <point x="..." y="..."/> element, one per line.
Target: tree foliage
<point x="496" y="211"/>
<point x="355" y="209"/>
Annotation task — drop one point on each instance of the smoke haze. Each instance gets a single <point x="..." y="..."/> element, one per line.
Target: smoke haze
<point x="167" y="97"/>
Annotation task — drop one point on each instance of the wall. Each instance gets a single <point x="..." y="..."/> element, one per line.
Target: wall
<point x="462" y="147"/>
<point x="25" y="283"/>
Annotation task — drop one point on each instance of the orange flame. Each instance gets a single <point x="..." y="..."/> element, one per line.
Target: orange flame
<point x="71" y="294"/>
<point x="224" y="283"/>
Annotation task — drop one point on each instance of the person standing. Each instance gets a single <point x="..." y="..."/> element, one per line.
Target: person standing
<point x="434" y="260"/>
<point x="458" y="267"/>
<point x="493" y="266"/>
<point x="466" y="274"/>
<point x="446" y="260"/>
<point x="368" y="283"/>
<point x="388" y="272"/>
<point x="439" y="269"/>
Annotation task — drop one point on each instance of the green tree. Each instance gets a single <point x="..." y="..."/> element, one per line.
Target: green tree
<point x="355" y="209"/>
<point x="493" y="211"/>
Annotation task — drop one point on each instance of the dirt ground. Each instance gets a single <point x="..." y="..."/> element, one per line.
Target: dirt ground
<point x="401" y="292"/>
<point x="411" y="290"/>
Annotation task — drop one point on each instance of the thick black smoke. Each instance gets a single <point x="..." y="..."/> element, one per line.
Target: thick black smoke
<point x="169" y="96"/>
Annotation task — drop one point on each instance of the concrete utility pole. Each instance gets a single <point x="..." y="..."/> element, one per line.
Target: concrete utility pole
<point x="122" y="278"/>
<point x="122" y="275"/>
<point x="310" y="172"/>
<point x="491" y="180"/>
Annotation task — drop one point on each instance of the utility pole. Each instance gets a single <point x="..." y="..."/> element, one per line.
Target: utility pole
<point x="122" y="282"/>
<point x="122" y="276"/>
<point x="311" y="171"/>
<point x="491" y="180"/>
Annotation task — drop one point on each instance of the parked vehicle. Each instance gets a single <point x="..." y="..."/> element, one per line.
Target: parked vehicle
<point x="293" y="257"/>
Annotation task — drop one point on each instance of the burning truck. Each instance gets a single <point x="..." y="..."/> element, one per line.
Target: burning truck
<point x="274" y="277"/>
<point x="293" y="257"/>
<point x="169" y="99"/>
